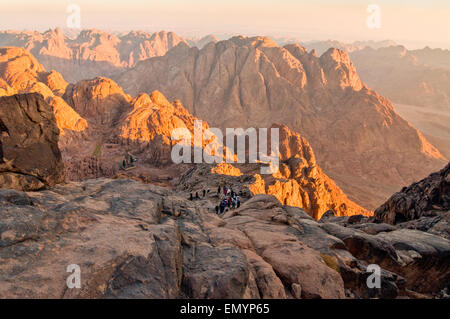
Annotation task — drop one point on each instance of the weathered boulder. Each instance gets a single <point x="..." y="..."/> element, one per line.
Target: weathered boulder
<point x="437" y="225"/>
<point x="29" y="155"/>
<point x="409" y="253"/>
<point x="214" y="272"/>
<point x="421" y="198"/>
<point x="420" y="253"/>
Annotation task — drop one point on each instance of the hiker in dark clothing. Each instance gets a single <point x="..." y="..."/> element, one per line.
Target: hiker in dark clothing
<point x="222" y="206"/>
<point x="190" y="197"/>
<point x="130" y="158"/>
<point x="204" y="193"/>
<point x="218" y="190"/>
<point x="225" y="190"/>
<point x="229" y="203"/>
<point x="196" y="195"/>
<point x="238" y="200"/>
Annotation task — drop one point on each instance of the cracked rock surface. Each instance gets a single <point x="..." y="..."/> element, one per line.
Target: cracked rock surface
<point x="135" y="240"/>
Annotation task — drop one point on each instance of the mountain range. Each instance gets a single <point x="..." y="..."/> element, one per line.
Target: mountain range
<point x="75" y="109"/>
<point x="255" y="82"/>
<point x="138" y="240"/>
<point x="93" y="52"/>
<point x="99" y="122"/>
<point x="359" y="139"/>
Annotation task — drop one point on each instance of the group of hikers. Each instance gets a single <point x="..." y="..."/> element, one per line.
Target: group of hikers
<point x="191" y="197"/>
<point x="229" y="200"/>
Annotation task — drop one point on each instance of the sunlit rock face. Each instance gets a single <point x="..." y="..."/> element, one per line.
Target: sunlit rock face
<point x="301" y="182"/>
<point x="20" y="72"/>
<point x="100" y="100"/>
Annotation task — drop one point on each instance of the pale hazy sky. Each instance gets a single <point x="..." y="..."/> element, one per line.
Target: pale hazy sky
<point x="415" y="23"/>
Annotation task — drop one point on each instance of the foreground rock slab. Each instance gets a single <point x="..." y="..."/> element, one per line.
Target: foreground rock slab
<point x="135" y="240"/>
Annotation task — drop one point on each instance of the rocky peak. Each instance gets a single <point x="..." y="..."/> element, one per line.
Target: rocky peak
<point x="21" y="73"/>
<point x="150" y="124"/>
<point x="158" y="98"/>
<point x="258" y="41"/>
<point x="294" y="145"/>
<point x="54" y="44"/>
<point x="339" y="70"/>
<point x="296" y="49"/>
<point x="154" y="115"/>
<point x="55" y="35"/>
<point x="95" y="35"/>
<point x="18" y="67"/>
<point x="99" y="100"/>
<point x="301" y="182"/>
<point x="200" y="43"/>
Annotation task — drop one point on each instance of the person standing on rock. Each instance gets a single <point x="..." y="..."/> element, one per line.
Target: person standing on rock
<point x="196" y="195"/>
<point x="204" y="193"/>
<point x="218" y="190"/>
<point x="129" y="159"/>
<point x="222" y="206"/>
